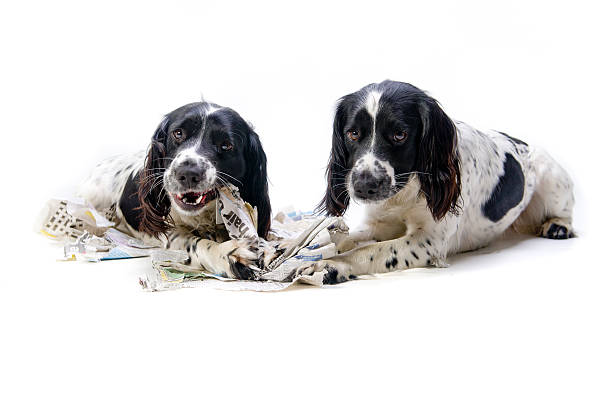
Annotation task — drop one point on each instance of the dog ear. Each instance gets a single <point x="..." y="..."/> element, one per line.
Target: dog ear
<point x="336" y="198"/>
<point x="255" y="188"/>
<point x="154" y="201"/>
<point x="438" y="160"/>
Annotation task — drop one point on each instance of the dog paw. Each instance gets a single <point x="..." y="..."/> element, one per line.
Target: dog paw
<point x="242" y="258"/>
<point x="557" y="228"/>
<point x="345" y="245"/>
<point x="331" y="272"/>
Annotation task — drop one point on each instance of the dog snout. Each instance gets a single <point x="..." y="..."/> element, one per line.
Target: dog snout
<point x="367" y="186"/>
<point x="190" y="174"/>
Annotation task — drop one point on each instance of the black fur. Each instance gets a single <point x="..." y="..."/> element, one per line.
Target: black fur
<point x="336" y="199"/>
<point x="241" y="271"/>
<point x="508" y="192"/>
<point x="514" y="140"/>
<point x="154" y="202"/>
<point x="255" y="188"/>
<point x="129" y="203"/>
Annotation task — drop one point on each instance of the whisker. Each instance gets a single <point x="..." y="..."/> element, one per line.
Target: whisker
<point x="149" y="182"/>
<point x="339" y="165"/>
<point x="412" y="172"/>
<point x="342" y="193"/>
<point x="147" y="177"/>
<point x="227" y="175"/>
<point x="223" y="183"/>
<point x="154" y="185"/>
<point x="160" y="195"/>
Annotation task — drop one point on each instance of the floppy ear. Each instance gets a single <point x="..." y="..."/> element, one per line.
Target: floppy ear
<point x="255" y="188"/>
<point x="438" y="160"/>
<point x="154" y="202"/>
<point x="336" y="197"/>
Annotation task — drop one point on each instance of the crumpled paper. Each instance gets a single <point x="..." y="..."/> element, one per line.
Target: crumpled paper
<point x="88" y="234"/>
<point x="295" y="239"/>
<point x="304" y="238"/>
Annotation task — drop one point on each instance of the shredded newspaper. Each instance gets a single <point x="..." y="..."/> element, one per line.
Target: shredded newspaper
<point x="89" y="235"/>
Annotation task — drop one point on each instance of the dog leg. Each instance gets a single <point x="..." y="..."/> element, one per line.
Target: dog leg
<point x="230" y="259"/>
<point x="549" y="214"/>
<point x="398" y="254"/>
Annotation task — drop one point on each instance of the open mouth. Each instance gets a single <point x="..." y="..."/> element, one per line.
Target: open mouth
<point x="194" y="199"/>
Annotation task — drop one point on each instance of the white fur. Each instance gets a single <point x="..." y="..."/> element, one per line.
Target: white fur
<point x="372" y="104"/>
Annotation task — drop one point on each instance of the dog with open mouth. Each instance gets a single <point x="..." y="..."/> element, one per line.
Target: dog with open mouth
<point x="431" y="186"/>
<point x="166" y="195"/>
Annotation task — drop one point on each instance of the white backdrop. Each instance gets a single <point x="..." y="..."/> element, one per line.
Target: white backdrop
<point x="528" y="325"/>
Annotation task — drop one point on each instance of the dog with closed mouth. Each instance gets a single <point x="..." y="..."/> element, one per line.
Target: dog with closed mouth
<point x="166" y="195"/>
<point x="432" y="186"/>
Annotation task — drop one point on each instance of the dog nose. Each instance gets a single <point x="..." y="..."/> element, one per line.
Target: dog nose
<point x="189" y="175"/>
<point x="366" y="186"/>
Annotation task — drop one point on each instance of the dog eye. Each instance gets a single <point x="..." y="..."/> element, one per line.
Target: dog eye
<point x="226" y="146"/>
<point x="353" y="134"/>
<point x="178" y="134"/>
<point x="400" y="136"/>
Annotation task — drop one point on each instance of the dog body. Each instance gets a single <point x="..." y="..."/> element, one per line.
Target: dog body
<point x="165" y="196"/>
<point x="432" y="187"/>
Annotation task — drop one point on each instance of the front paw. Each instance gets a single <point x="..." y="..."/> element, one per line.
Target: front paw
<point x="242" y="258"/>
<point x="330" y="271"/>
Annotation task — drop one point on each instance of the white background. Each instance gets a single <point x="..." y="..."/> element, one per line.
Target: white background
<point x="526" y="325"/>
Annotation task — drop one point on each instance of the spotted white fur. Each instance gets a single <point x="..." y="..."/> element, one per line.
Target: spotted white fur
<point x="104" y="185"/>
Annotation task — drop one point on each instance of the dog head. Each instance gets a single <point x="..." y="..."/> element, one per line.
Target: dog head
<point x="384" y="135"/>
<point x="196" y="148"/>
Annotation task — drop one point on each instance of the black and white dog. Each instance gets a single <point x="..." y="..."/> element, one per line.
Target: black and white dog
<point x="166" y="196"/>
<point x="433" y="186"/>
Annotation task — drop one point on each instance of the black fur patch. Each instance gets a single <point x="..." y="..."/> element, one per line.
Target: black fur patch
<point x="508" y="192"/>
<point x="513" y="140"/>
<point x="331" y="277"/>
<point x="391" y="263"/>
<point x="129" y="203"/>
<point x="241" y="271"/>
<point x="194" y="246"/>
